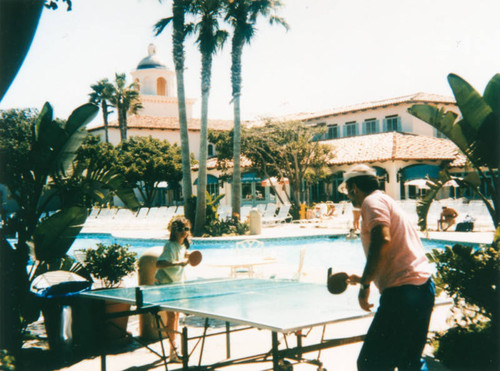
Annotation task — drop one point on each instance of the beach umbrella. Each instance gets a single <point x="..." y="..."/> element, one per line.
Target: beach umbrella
<point x="274" y="180"/>
<point x="419" y="183"/>
<point x="451" y="183"/>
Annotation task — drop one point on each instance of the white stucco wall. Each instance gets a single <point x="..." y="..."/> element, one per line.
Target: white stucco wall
<point x="409" y="123"/>
<point x="170" y="135"/>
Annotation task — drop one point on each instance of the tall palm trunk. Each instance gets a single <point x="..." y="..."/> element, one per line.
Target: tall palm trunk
<point x="237" y="50"/>
<point x="104" y="108"/>
<point x="178" y="36"/>
<point x="200" y="219"/>
<point x="122" y="116"/>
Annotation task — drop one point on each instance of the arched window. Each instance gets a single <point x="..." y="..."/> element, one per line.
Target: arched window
<point x="161" y="86"/>
<point x="211" y="150"/>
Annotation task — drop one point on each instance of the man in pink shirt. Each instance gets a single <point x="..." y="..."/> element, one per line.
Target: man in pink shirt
<point x="397" y="265"/>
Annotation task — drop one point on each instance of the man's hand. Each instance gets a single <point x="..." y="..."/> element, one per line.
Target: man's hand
<point x="353" y="279"/>
<point x="363" y="297"/>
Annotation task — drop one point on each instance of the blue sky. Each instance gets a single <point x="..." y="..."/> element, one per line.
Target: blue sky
<point x="336" y="53"/>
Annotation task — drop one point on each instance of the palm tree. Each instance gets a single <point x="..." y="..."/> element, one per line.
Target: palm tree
<point x="180" y="31"/>
<point x="210" y="39"/>
<point x="126" y="100"/>
<point x="243" y="15"/>
<point x="101" y="94"/>
<point x="476" y="135"/>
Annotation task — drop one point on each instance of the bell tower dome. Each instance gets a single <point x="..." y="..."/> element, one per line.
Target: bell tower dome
<point x="157" y="87"/>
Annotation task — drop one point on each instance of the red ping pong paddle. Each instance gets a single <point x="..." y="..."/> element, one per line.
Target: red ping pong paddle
<point x="337" y="283"/>
<point x="195" y="258"/>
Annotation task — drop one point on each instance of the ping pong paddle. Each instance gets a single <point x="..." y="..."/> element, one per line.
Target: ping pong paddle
<point x="337" y="283"/>
<point x="195" y="258"/>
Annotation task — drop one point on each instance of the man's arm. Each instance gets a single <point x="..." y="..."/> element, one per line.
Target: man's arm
<point x="379" y="239"/>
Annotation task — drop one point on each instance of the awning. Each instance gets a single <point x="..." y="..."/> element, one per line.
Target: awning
<point x="419" y="183"/>
<point x="210" y="180"/>
<point x="250" y="178"/>
<point x="420" y="172"/>
<point x="451" y="183"/>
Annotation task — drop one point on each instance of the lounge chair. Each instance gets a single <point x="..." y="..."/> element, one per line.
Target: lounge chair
<point x="283" y="216"/>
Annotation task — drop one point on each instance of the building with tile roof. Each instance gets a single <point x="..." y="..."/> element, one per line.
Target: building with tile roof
<point x="379" y="133"/>
<point x="159" y="118"/>
<point x="384" y="135"/>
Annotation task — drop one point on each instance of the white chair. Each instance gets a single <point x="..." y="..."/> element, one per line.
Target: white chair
<point x="294" y="276"/>
<point x="244" y="212"/>
<point x="262" y="208"/>
<point x="270" y="211"/>
<point x="247" y="248"/>
<point x="224" y="212"/>
<point x="283" y="216"/>
<point x="123" y="219"/>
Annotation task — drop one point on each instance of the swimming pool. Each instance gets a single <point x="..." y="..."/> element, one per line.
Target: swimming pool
<point x="321" y="252"/>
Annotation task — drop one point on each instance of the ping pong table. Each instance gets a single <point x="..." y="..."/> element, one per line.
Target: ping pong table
<point x="280" y="306"/>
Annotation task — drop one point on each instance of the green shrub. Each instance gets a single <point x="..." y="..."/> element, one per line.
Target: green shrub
<point x="473" y="347"/>
<point x="7" y="361"/>
<point x="469" y="276"/>
<point x="231" y="226"/>
<point x="110" y="263"/>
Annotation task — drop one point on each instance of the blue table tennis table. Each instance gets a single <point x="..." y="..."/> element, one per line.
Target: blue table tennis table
<point x="279" y="306"/>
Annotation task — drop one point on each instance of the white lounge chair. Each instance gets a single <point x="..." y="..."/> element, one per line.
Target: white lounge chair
<point x="270" y="211"/>
<point x="283" y="216"/>
<point x="244" y="212"/>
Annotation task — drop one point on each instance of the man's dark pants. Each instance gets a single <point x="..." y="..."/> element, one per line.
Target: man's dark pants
<point x="398" y="333"/>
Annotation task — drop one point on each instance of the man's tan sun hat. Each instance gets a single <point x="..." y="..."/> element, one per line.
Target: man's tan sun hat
<point x="354" y="172"/>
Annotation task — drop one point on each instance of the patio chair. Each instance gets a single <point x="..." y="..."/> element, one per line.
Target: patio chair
<point x="270" y="211"/>
<point x="244" y="212"/>
<point x="283" y="216"/>
<point x="224" y="212"/>
<point x="247" y="248"/>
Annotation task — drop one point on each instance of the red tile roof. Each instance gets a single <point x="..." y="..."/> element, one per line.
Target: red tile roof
<point x="392" y="146"/>
<point x="165" y="123"/>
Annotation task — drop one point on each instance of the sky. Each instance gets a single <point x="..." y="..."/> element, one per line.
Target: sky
<point x="336" y="53"/>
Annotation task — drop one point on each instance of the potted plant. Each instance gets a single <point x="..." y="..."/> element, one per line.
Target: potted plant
<point x="110" y="264"/>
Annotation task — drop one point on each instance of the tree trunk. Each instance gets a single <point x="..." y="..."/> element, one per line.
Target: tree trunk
<point x="236" y="83"/>
<point x="105" y="120"/>
<point x="178" y="54"/>
<point x="200" y="218"/>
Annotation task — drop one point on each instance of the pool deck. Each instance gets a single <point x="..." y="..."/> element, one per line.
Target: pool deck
<point x="342" y="358"/>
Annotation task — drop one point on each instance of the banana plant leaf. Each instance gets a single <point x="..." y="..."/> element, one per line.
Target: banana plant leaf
<point x="424" y="204"/>
<point x="54" y="236"/>
<point x="75" y="130"/>
<point x="54" y="146"/>
<point x="482" y="121"/>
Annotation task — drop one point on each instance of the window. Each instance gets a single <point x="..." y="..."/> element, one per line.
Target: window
<point x="392" y="123"/>
<point x="370" y="126"/>
<point x="439" y="134"/>
<point x="333" y="131"/>
<point x="161" y="86"/>
<point x="211" y="150"/>
<point x="350" y="129"/>
<point x="213" y="189"/>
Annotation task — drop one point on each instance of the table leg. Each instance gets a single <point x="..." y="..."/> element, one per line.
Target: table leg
<point x="185" y="350"/>
<point x="228" y="340"/>
<point x="275" y="344"/>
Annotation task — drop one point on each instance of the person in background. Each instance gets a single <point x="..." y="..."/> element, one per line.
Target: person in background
<point x="397" y="265"/>
<point x="170" y="265"/>
<point x="356" y="216"/>
<point x="447" y="219"/>
<point x="351" y="235"/>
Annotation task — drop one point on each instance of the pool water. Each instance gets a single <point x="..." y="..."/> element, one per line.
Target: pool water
<point x="321" y="252"/>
